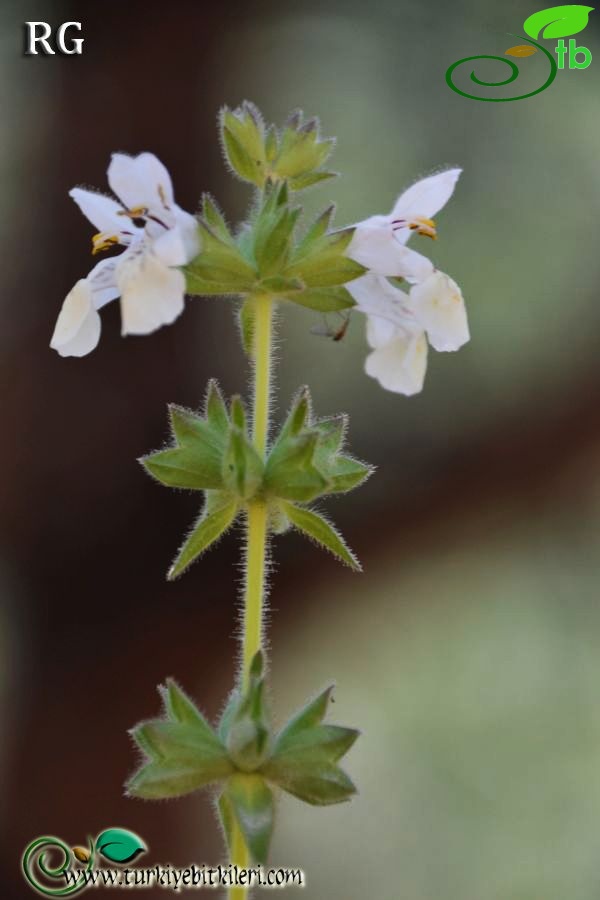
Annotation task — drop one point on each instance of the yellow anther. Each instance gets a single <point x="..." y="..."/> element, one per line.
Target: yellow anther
<point x="103" y="241"/>
<point x="137" y="212"/>
<point x="423" y="226"/>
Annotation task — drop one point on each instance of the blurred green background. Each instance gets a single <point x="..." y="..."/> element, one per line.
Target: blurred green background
<point x="468" y="651"/>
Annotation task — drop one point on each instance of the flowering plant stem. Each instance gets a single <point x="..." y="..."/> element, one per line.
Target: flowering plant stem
<point x="256" y="528"/>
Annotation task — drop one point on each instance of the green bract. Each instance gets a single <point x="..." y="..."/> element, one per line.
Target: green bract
<point x="213" y="453"/>
<point x="267" y="255"/>
<point x="258" y="155"/>
<point x="243" y="757"/>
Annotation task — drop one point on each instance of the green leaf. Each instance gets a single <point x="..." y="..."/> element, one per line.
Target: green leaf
<point x="272" y="245"/>
<point x="243" y="468"/>
<point x="301" y="153"/>
<point x="326" y="271"/>
<point x="316" y="231"/>
<point x="119" y="845"/>
<point x="323" y="262"/>
<point x="215" y="220"/>
<point x="182" y="709"/>
<point x="196" y="463"/>
<point x="320" y="787"/>
<point x="233" y="702"/>
<point x="309" y="179"/>
<point x="290" y="472"/>
<point x="308" y="716"/>
<point x="163" y="740"/>
<point x="248" y="730"/>
<point x="190" y="429"/>
<point x="324" y="300"/>
<point x="297" y="419"/>
<point x="316" y="745"/>
<point x="319" y="530"/>
<point x="157" y="781"/>
<point x="277" y="284"/>
<point x="249" y="801"/>
<point x="271" y="144"/>
<point x="202" y="287"/>
<point x="557" y="21"/>
<point x="216" y="411"/>
<point x="237" y="412"/>
<point x="332" y="432"/>
<point x="184" y="751"/>
<point x="208" y="529"/>
<point x="227" y="820"/>
<point x="247" y="126"/>
<point x="184" y="467"/>
<point x="220" y="262"/>
<point x="346" y="473"/>
<point x="240" y="161"/>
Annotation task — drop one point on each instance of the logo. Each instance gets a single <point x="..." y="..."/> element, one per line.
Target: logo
<point x="556" y="22"/>
<point x="70" y="873"/>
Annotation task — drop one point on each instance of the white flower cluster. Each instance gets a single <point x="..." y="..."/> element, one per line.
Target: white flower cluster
<point x="400" y="323"/>
<point x="156" y="234"/>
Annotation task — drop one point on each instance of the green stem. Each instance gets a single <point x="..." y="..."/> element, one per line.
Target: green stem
<point x="255" y="584"/>
<point x="263" y="317"/>
<point x="256" y="546"/>
<point x="256" y="531"/>
<point x="240" y="858"/>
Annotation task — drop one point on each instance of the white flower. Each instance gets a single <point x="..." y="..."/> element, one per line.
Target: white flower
<point x="399" y="324"/>
<point x="379" y="242"/>
<point x="156" y="234"/>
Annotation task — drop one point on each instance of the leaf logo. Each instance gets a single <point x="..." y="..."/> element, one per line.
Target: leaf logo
<point x="557" y="21"/>
<point x="119" y="845"/>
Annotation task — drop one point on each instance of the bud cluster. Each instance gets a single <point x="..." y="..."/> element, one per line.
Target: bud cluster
<point x="267" y="255"/>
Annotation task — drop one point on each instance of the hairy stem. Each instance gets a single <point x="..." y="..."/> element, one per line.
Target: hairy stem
<point x="255" y="584"/>
<point x="256" y="531"/>
<point x="263" y="316"/>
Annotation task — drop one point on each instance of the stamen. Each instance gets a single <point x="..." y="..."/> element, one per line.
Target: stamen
<point x="103" y="241"/>
<point x="138" y="212"/>
<point x="420" y="224"/>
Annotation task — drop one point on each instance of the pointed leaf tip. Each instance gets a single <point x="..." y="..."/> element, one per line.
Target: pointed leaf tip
<point x="213" y="523"/>
<point x="322" y="532"/>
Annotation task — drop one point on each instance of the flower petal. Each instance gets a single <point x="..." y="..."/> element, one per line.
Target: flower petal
<point x="78" y="326"/>
<point x="103" y="283"/>
<point x="151" y="293"/>
<point x="439" y="306"/>
<point x="102" y="211"/>
<point x="426" y="197"/>
<point x="400" y="365"/>
<point x="140" y="181"/>
<point x="376" y="297"/>
<point x="374" y="246"/>
<point x="381" y="332"/>
<point x="188" y="226"/>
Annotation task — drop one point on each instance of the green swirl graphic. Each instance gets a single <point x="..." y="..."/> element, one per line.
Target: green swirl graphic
<point x="35" y="862"/>
<point x="514" y="74"/>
